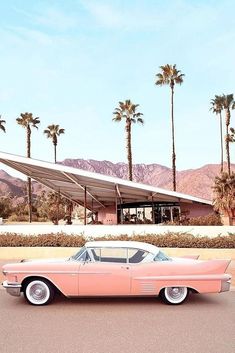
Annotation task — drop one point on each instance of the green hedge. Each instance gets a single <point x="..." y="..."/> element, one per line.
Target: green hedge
<point x="170" y="239"/>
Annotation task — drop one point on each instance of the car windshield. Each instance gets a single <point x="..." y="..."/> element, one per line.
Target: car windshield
<point x="162" y="257"/>
<point x="78" y="254"/>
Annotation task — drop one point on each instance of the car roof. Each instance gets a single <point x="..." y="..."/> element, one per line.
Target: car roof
<point x="123" y="244"/>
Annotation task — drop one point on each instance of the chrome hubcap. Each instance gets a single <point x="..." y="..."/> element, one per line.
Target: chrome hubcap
<point x="38" y="292"/>
<point x="176" y="292"/>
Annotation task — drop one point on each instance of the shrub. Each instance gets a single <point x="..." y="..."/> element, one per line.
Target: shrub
<point x="211" y="219"/>
<point x="170" y="239"/>
<point x="208" y="220"/>
<point x="21" y="218"/>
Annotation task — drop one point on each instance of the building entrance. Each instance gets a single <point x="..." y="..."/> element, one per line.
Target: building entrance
<point x="148" y="212"/>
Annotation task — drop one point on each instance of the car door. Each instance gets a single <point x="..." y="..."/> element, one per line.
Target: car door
<point x="143" y="271"/>
<point x="107" y="274"/>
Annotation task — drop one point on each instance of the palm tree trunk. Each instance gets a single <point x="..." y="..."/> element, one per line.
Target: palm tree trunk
<point x="227" y="140"/>
<point x="29" y="179"/>
<point x="128" y="147"/>
<point x="221" y="145"/>
<point x="55" y="152"/>
<point x="173" y="139"/>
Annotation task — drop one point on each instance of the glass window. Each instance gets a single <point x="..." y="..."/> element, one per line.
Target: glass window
<point x="82" y="255"/>
<point x="78" y="254"/>
<point x="161" y="257"/>
<point x="96" y="254"/>
<point x="135" y="255"/>
<point x="110" y="255"/>
<point x="148" y="215"/>
<point x="175" y="213"/>
<point x="140" y="215"/>
<point x="126" y="215"/>
<point x="166" y="214"/>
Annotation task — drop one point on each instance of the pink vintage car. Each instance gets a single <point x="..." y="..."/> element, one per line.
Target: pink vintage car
<point x="116" y="268"/>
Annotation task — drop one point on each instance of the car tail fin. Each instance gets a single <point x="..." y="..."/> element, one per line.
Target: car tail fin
<point x="220" y="266"/>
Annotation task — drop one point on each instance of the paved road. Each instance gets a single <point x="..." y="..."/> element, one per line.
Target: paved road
<point x="205" y="324"/>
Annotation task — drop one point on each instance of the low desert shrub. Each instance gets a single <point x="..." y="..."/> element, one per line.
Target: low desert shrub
<point x="21" y="218"/>
<point x="208" y="220"/>
<point x="170" y="239"/>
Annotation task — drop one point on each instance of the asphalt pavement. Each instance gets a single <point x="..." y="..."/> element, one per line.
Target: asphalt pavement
<point x="204" y="324"/>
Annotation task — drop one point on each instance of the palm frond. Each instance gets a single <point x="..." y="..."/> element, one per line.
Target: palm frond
<point x="27" y="119"/>
<point x="228" y="101"/>
<point x="217" y="104"/>
<point x="169" y="75"/>
<point x="140" y="121"/>
<point x="2" y="127"/>
<point x="126" y="111"/>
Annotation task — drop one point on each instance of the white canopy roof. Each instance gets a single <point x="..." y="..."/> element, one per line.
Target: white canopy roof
<point x="101" y="190"/>
<point x="123" y="244"/>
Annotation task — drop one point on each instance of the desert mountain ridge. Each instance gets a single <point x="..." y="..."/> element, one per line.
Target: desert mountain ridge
<point x="196" y="182"/>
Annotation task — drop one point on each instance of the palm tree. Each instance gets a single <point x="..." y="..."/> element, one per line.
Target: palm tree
<point x="2" y="122"/>
<point x="171" y="76"/>
<point x="217" y="107"/>
<point x="232" y="135"/>
<point x="127" y="111"/>
<point x="228" y="103"/>
<point x="224" y="195"/>
<point x="53" y="131"/>
<point x="27" y="121"/>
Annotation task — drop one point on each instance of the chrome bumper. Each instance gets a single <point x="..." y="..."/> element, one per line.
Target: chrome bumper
<point x="225" y="284"/>
<point x="12" y="288"/>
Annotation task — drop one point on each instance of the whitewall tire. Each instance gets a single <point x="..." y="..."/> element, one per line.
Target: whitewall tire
<point x="174" y="295"/>
<point x="39" y="292"/>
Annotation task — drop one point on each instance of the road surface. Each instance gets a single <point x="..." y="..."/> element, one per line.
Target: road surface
<point x="204" y="324"/>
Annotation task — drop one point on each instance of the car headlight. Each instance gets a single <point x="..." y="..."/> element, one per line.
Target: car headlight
<point x="4" y="272"/>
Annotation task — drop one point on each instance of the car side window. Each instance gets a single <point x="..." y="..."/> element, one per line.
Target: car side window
<point x="96" y="254"/>
<point x="112" y="255"/>
<point x="136" y="255"/>
<point x="162" y="257"/>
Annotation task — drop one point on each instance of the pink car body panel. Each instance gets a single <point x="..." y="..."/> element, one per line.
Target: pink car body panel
<point x="101" y="279"/>
<point x="97" y="278"/>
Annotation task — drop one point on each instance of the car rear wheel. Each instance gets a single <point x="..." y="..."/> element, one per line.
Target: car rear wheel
<point x="39" y="292"/>
<point x="174" y="295"/>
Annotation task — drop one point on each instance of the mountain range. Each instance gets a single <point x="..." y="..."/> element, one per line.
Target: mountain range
<point x="196" y="182"/>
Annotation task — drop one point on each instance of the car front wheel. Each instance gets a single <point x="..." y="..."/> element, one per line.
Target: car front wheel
<point x="174" y="295"/>
<point x="39" y="292"/>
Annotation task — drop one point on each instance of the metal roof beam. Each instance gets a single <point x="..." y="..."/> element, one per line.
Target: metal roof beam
<point x="49" y="186"/>
<point x="75" y="181"/>
<point x="14" y="165"/>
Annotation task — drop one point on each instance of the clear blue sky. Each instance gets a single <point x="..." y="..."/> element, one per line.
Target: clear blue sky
<point x="71" y="62"/>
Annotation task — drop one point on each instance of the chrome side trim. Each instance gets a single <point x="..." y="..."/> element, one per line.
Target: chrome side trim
<point x="12" y="288"/>
<point x="95" y="273"/>
<point x="221" y="277"/>
<point x="60" y="272"/>
<point x="34" y="272"/>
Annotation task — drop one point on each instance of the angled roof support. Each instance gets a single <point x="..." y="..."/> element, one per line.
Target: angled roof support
<point x="118" y="191"/>
<point x="75" y="181"/>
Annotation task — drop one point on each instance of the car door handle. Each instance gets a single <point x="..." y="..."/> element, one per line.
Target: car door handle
<point x="125" y="267"/>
